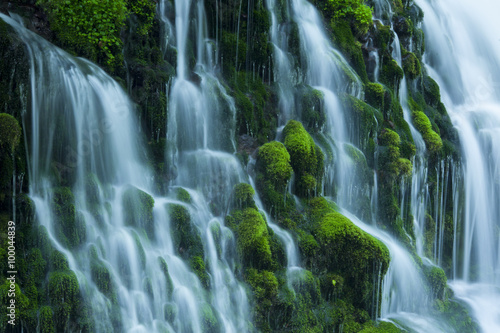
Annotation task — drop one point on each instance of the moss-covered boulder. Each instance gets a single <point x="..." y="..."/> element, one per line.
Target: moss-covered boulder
<point x="352" y="253"/>
<point x="252" y="238"/>
<point x="432" y="140"/>
<point x="273" y="175"/>
<point x="185" y="235"/>
<point x="64" y="297"/>
<point x="243" y="194"/>
<point x="138" y="210"/>
<point x="411" y="66"/>
<point x="306" y="157"/>
<point x="71" y="227"/>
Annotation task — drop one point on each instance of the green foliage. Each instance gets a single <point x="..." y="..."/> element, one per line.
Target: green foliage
<point x="355" y="11"/>
<point x="145" y="11"/>
<point x="90" y="27"/>
<point x="432" y="140"/>
<point x="307" y="159"/>
<point x="139" y="210"/>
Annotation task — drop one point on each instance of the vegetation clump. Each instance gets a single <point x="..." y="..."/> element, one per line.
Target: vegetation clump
<point x="432" y="140"/>
<point x="306" y="158"/>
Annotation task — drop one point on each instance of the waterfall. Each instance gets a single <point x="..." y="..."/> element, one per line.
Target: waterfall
<point x="466" y="33"/>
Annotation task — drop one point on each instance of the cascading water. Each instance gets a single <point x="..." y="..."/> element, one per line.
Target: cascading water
<point x="91" y="140"/>
<point x="463" y="56"/>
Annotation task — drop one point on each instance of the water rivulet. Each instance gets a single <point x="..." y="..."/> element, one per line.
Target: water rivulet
<point x="302" y="166"/>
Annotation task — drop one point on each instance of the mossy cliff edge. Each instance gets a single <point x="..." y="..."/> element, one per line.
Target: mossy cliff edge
<point x="337" y="287"/>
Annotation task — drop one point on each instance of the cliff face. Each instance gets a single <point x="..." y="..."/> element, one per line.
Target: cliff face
<point x="293" y="162"/>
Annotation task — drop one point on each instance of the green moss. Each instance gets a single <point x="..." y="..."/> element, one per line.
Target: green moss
<point x="352" y="253"/>
<point x="21" y="304"/>
<point x="437" y="281"/>
<point x="169" y="287"/>
<point x="58" y="261"/>
<point x="139" y="210"/>
<point x="10" y="132"/>
<point x="185" y="234"/>
<point x="63" y="292"/>
<point x="353" y="11"/>
<point x="306" y="159"/>
<point x="411" y="66"/>
<point x="374" y="95"/>
<point x="46" y="320"/>
<point x="349" y="46"/>
<point x="183" y="195"/>
<point x="381" y="327"/>
<point x="210" y="321"/>
<point x="71" y="228"/>
<point x="92" y="189"/>
<point x="432" y="94"/>
<point x="391" y="74"/>
<point x="264" y="285"/>
<point x="273" y="161"/>
<point x="432" y="140"/>
<point x="252" y="238"/>
<point x="311" y="108"/>
<point x="364" y="118"/>
<point x="243" y="195"/>
<point x="198" y="266"/>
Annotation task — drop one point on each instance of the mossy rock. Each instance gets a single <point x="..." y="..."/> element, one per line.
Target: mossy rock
<point x="169" y="287"/>
<point x="311" y="108"/>
<point x="64" y="297"/>
<point x="10" y="132"/>
<point x="307" y="159"/>
<point x="374" y="95"/>
<point x="273" y="161"/>
<point x="264" y="286"/>
<point x="71" y="227"/>
<point x="47" y="320"/>
<point x="138" y="210"/>
<point x="432" y="140"/>
<point x="198" y="266"/>
<point x="352" y="253"/>
<point x="185" y="235"/>
<point x="243" y="195"/>
<point x="252" y="238"/>
<point x="183" y="195"/>
<point x="411" y="66"/>
<point x="210" y="321"/>
<point x="437" y="281"/>
<point x="349" y="45"/>
<point x="391" y="74"/>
